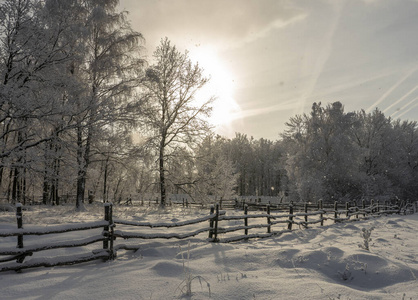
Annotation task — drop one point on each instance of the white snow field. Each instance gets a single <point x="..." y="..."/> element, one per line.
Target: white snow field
<point x="327" y="262"/>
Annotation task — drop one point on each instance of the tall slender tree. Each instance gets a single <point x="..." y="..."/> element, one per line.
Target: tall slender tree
<point x="171" y="112"/>
<point x="110" y="67"/>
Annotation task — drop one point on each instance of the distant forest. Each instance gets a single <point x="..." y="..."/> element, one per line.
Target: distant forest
<point x="83" y="113"/>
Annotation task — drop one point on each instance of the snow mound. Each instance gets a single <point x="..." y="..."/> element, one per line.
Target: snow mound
<point x="168" y="269"/>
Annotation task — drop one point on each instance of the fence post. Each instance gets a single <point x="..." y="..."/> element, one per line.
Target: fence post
<point x="220" y="203"/>
<point x="112" y="254"/>
<point x="215" y="239"/>
<point x="106" y="228"/>
<point x="306" y="214"/>
<point x="212" y="210"/>
<point x="321" y="215"/>
<point x="289" y="226"/>
<point x="246" y="219"/>
<point x="371" y="206"/>
<point x="268" y="218"/>
<point x="335" y="211"/>
<point x="363" y="206"/>
<point x="347" y="209"/>
<point x="243" y="203"/>
<point x="19" y="219"/>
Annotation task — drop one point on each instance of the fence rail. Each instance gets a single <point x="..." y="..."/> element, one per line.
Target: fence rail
<point x="266" y="221"/>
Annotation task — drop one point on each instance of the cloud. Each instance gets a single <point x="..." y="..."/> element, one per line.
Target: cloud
<point x="401" y="99"/>
<point x="403" y="110"/>
<point x="219" y="22"/>
<point x="323" y="54"/>
<point x="393" y="88"/>
<point x="252" y="112"/>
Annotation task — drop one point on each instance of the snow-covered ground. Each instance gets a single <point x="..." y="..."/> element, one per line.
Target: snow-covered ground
<point x="315" y="263"/>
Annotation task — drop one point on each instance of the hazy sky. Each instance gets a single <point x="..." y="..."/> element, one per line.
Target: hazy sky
<point x="271" y="59"/>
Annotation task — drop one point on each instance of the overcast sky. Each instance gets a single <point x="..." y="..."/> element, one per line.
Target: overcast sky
<point x="270" y="59"/>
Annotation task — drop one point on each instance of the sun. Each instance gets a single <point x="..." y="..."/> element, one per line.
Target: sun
<point x="221" y="86"/>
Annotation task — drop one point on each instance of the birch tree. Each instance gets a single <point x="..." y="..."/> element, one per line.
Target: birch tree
<point x="171" y="113"/>
<point x="110" y="68"/>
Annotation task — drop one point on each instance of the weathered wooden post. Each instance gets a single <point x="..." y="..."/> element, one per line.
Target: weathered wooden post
<point x="306" y="214"/>
<point x="220" y="203"/>
<point x="112" y="254"/>
<point x="289" y="226"/>
<point x="215" y="239"/>
<point x="106" y="227"/>
<point x="347" y="210"/>
<point x="322" y="210"/>
<point x="363" y="207"/>
<point x="19" y="219"/>
<point x="243" y="203"/>
<point x="246" y="219"/>
<point x="372" y="206"/>
<point x="335" y="212"/>
<point x="212" y="210"/>
<point x="268" y="218"/>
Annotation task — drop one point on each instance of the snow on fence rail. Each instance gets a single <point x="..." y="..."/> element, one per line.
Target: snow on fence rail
<point x="303" y="218"/>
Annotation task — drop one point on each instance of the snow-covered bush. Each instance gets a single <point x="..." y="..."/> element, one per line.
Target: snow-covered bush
<point x="365" y="234"/>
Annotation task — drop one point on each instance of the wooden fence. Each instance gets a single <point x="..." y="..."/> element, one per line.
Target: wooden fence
<point x="275" y="223"/>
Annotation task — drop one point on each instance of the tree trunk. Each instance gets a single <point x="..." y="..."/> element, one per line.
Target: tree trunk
<point x="15" y="185"/>
<point x="23" y="186"/>
<point x="9" y="187"/>
<point x="105" y="180"/>
<point x="56" y="180"/>
<point x="45" y="189"/>
<point x="162" y="175"/>
<point x="46" y="184"/>
<point x="83" y="160"/>
<point x="80" y="173"/>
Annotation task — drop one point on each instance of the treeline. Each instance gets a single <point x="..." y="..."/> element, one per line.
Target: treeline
<point x="327" y="155"/>
<point x="82" y="112"/>
<point x="333" y="155"/>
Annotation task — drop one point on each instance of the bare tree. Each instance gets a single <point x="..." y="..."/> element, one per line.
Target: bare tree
<point x="171" y="112"/>
<point x="110" y="67"/>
